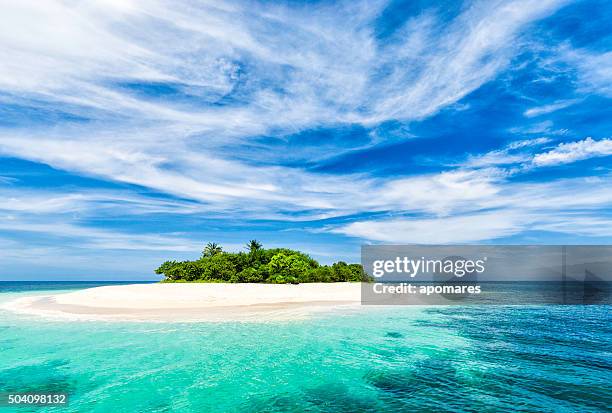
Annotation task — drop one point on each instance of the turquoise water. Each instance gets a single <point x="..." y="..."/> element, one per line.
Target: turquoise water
<point x="553" y="359"/>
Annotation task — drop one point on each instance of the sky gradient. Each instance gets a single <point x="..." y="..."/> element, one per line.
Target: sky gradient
<point x="135" y="132"/>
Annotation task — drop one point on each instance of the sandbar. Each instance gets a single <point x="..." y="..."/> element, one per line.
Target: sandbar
<point x="192" y="302"/>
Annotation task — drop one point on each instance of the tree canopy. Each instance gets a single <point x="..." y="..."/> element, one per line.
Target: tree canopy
<point x="211" y="249"/>
<point x="258" y="265"/>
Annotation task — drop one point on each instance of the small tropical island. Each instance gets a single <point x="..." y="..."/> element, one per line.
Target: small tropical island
<point x="258" y="265"/>
<point x="255" y="285"/>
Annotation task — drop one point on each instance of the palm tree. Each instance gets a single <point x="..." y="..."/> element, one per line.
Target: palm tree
<point x="253" y="246"/>
<point x="212" y="248"/>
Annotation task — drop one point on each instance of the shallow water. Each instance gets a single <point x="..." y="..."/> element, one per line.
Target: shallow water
<point x="552" y="358"/>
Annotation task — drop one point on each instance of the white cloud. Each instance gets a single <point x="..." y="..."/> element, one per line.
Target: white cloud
<point x="89" y="237"/>
<point x="578" y="223"/>
<point x="591" y="69"/>
<point x="518" y="156"/>
<point x="570" y="206"/>
<point x="595" y="70"/>
<point x="7" y="180"/>
<point x="537" y="128"/>
<point x="495" y="158"/>
<point x="449" y="63"/>
<point x="14" y="200"/>
<point x="574" y="151"/>
<point x="553" y="107"/>
<point x="442" y="193"/>
<point x="477" y="227"/>
<point x="506" y="156"/>
<point x="456" y="229"/>
<point x="528" y="143"/>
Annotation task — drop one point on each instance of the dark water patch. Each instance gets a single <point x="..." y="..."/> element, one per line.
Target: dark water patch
<point x="549" y="358"/>
<point x="328" y="397"/>
<point x="337" y="397"/>
<point x="432" y="375"/>
<point x="568" y="361"/>
<point x="425" y="323"/>
<point x="46" y="377"/>
<point x="556" y="389"/>
<point x="394" y="334"/>
<point x="399" y="383"/>
<point x="154" y="406"/>
<point x="436" y="386"/>
<point x="285" y="402"/>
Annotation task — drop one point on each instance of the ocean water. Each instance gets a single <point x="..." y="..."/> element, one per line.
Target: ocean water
<point x="459" y="358"/>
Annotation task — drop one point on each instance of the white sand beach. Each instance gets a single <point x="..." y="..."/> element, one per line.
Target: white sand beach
<point x="185" y="302"/>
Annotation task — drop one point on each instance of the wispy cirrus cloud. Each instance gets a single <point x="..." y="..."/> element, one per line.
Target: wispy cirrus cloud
<point x="574" y="151"/>
<point x="545" y="109"/>
<point x="201" y="111"/>
<point x="568" y="206"/>
<point x="516" y="152"/>
<point x="594" y="69"/>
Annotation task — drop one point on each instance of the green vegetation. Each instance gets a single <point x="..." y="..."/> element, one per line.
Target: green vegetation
<point x="258" y="265"/>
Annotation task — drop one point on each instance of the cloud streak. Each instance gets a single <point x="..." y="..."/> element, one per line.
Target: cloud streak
<point x="574" y="151"/>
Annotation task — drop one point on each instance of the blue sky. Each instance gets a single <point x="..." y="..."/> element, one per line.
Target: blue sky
<point x="135" y="132"/>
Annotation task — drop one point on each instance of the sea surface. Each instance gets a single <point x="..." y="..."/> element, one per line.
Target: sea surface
<point x="555" y="358"/>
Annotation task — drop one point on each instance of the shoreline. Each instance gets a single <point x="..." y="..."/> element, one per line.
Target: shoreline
<point x="191" y="302"/>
